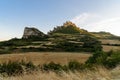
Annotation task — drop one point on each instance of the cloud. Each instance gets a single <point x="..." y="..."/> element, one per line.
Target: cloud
<point x="84" y="18"/>
<point x="80" y="18"/>
<point x="95" y="22"/>
<point x="111" y="25"/>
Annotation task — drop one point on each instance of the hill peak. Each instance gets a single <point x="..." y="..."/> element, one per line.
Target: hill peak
<point x="67" y="28"/>
<point x="68" y="24"/>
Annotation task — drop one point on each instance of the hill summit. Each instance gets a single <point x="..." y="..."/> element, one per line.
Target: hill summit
<point x="68" y="28"/>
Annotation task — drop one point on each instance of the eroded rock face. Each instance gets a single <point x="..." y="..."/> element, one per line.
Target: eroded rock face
<point x="28" y="32"/>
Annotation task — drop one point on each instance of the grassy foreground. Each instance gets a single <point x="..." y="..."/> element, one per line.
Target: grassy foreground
<point x="100" y="74"/>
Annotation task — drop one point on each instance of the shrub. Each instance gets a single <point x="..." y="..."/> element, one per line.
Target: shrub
<point x="30" y="66"/>
<point x="91" y="43"/>
<point x="52" y="66"/>
<point x="67" y="46"/>
<point x="113" y="60"/>
<point x="16" y="68"/>
<point x="109" y="60"/>
<point x="74" y="65"/>
<point x="11" y="68"/>
<point x="97" y="58"/>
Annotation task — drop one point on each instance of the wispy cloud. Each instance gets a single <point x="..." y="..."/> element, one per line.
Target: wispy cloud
<point x="80" y="19"/>
<point x="95" y="22"/>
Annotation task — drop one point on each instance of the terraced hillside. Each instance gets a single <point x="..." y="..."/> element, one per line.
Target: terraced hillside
<point x="65" y="38"/>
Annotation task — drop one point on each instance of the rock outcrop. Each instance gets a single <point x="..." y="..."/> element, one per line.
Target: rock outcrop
<point x="29" y="32"/>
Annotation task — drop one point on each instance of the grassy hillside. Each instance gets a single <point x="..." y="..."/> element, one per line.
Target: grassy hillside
<point x="65" y="38"/>
<point x="108" y="40"/>
<point x="105" y="35"/>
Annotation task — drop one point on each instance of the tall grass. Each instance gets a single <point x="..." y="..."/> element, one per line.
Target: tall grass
<point x="100" y="74"/>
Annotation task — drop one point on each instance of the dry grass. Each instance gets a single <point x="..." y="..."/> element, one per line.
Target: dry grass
<point x="62" y="58"/>
<point x="105" y="41"/>
<point x="108" y="48"/>
<point x="46" y="57"/>
<point x="100" y="74"/>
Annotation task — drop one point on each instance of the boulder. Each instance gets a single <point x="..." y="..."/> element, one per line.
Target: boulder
<point x="32" y="32"/>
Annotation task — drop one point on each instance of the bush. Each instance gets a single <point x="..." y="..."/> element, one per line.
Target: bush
<point x="52" y="66"/>
<point x="109" y="60"/>
<point x="16" y="68"/>
<point x="30" y="66"/>
<point x="65" y="45"/>
<point x="97" y="58"/>
<point x="74" y="65"/>
<point x="11" y="68"/>
<point x="91" y="43"/>
<point x="113" y="60"/>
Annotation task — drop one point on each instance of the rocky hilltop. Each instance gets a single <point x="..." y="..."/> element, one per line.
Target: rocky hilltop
<point x="30" y="32"/>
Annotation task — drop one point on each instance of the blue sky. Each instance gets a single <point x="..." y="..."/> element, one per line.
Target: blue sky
<point x="93" y="15"/>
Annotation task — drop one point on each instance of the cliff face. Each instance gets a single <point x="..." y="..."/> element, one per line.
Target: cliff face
<point x="29" y="32"/>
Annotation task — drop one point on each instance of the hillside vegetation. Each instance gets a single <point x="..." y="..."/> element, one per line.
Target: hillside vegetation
<point x="58" y="55"/>
<point x="108" y="61"/>
<point x="105" y="35"/>
<point x="65" y="38"/>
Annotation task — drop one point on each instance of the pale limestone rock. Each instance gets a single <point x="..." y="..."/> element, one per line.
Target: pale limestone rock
<point x="28" y="32"/>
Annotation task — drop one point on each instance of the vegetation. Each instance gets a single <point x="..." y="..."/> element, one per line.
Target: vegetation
<point x="67" y="28"/>
<point x="100" y="74"/>
<point x="69" y="43"/>
<point x="109" y="60"/>
<point x="104" y="35"/>
<point x="16" y="68"/>
<point x="67" y="37"/>
<point x="15" y="42"/>
<point x="91" y="44"/>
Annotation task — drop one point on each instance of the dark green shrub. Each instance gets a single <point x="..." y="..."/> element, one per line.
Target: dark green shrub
<point x="113" y="59"/>
<point x="109" y="60"/>
<point x="52" y="66"/>
<point x="97" y="58"/>
<point x="4" y="51"/>
<point x="17" y="68"/>
<point x="65" y="45"/>
<point x="91" y="44"/>
<point x="11" y="68"/>
<point x="74" y="65"/>
<point x="30" y="66"/>
<point x="65" y="68"/>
